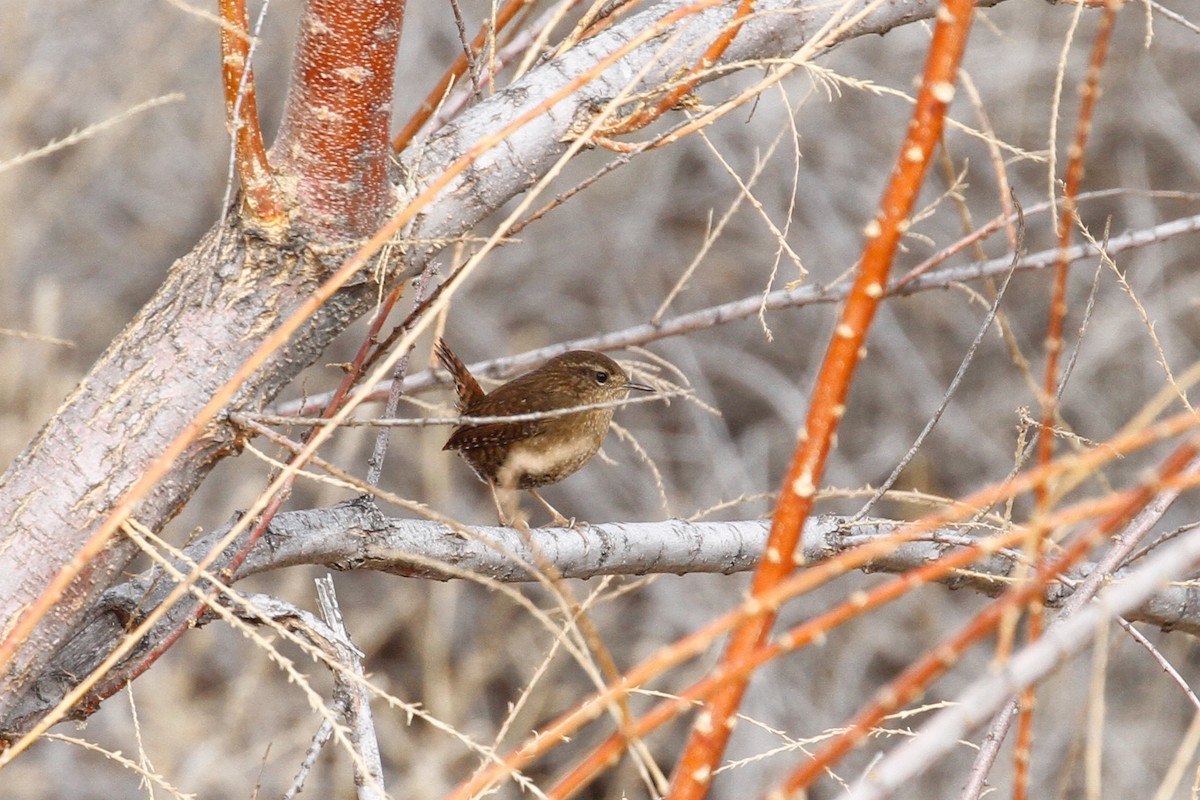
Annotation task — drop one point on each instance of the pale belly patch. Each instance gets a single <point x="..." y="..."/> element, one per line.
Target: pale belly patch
<point x="535" y="464"/>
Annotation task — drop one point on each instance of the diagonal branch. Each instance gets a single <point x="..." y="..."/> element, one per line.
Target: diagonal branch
<point x="711" y="730"/>
<point x="797" y="297"/>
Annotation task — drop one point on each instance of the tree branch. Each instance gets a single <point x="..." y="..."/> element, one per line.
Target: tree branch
<point x="334" y="137"/>
<point x="356" y="535"/>
<point x="777" y="300"/>
<point x="261" y="194"/>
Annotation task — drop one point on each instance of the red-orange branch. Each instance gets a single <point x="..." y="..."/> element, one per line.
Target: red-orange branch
<point x="334" y="140"/>
<point x="1089" y="93"/>
<point x="711" y="732"/>
<point x="912" y="682"/>
<point x="241" y="115"/>
<point x="1054" y="344"/>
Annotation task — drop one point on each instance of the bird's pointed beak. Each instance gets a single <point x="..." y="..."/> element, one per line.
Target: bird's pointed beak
<point x="641" y="387"/>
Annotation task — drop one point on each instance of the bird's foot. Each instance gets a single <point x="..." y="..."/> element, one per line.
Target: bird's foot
<point x="559" y="521"/>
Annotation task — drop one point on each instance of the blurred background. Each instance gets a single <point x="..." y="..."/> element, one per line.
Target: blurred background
<point x="88" y="233"/>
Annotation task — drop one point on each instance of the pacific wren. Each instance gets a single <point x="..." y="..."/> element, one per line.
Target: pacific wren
<point x="527" y="454"/>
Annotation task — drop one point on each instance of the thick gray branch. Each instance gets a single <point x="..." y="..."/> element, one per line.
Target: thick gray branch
<point x="777" y="29"/>
<point x="356" y="535"/>
<point x="215" y="308"/>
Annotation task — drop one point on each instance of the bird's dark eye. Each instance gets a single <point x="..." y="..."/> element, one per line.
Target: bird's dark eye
<point x="601" y="377"/>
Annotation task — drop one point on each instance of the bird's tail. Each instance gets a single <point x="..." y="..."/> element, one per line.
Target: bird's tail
<point x="465" y="385"/>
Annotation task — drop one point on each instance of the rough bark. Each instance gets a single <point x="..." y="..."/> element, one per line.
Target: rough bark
<point x="214" y="308"/>
<point x="341" y="92"/>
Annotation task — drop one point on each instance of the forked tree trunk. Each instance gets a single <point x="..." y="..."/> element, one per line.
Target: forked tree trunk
<point x="222" y="300"/>
<point x="330" y="178"/>
<point x="215" y="308"/>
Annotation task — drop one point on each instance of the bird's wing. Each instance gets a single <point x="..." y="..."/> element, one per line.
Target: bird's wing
<point x="492" y="434"/>
<point x="511" y="399"/>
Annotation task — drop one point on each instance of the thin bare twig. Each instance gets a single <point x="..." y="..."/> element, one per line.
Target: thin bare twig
<point x="778" y="300"/>
<point x="954" y="382"/>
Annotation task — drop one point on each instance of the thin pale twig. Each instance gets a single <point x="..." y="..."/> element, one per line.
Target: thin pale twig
<point x="954" y="382"/>
<point x="780" y="299"/>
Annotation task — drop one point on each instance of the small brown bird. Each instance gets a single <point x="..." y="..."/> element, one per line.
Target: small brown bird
<point x="527" y="454"/>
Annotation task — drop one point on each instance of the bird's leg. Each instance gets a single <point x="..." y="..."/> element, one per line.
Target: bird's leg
<point x="507" y="508"/>
<point x="559" y="520"/>
<point x="499" y="508"/>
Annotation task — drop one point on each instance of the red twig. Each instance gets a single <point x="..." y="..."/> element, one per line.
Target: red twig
<point x="1089" y="92"/>
<point x="711" y="731"/>
<point x="644" y="116"/>
<point x="261" y="194"/>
